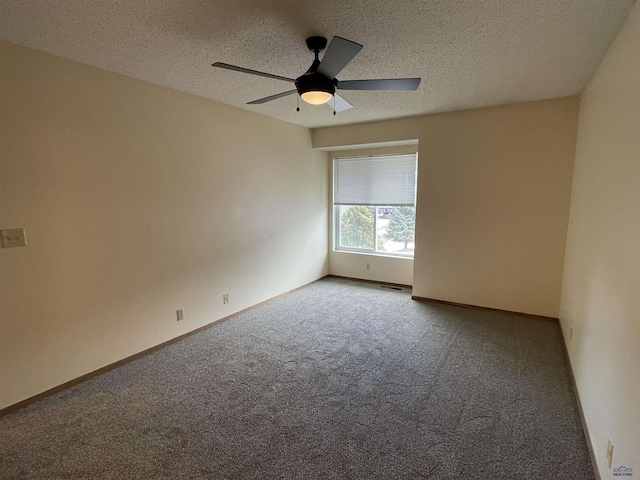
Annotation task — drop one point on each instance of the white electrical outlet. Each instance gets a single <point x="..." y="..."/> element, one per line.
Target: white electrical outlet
<point x="225" y="298"/>
<point x="610" y="453"/>
<point x="180" y="314"/>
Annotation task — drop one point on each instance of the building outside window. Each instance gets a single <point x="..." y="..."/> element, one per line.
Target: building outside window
<point x="374" y="204"/>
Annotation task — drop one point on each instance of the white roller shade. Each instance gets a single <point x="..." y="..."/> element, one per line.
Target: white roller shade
<point x="385" y="180"/>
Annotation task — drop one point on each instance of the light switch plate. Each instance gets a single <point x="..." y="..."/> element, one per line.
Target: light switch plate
<point x="13" y="237"/>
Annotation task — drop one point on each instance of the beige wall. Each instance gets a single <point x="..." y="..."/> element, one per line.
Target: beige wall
<point x="138" y="200"/>
<point x="601" y="288"/>
<point x="354" y="265"/>
<point x="493" y="200"/>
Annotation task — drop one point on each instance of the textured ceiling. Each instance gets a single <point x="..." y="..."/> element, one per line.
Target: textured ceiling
<point x="469" y="53"/>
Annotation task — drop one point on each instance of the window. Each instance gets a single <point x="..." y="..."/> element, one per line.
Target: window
<point x="374" y="204"/>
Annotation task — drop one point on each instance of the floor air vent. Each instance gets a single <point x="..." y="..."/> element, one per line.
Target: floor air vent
<point x="390" y="287"/>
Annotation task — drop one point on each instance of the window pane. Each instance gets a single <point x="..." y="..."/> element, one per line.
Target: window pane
<point x="357" y="226"/>
<point x="396" y="229"/>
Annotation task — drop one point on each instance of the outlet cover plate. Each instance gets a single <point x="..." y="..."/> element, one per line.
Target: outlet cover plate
<point x="13" y="237"/>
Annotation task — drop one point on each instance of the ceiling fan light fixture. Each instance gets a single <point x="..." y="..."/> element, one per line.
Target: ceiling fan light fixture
<point x="314" y="88"/>
<point x="318" y="84"/>
<point x="316" y="97"/>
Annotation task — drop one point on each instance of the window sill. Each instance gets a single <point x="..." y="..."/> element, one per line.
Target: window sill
<point x="374" y="254"/>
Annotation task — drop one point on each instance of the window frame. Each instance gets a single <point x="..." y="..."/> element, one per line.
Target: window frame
<point x="336" y="223"/>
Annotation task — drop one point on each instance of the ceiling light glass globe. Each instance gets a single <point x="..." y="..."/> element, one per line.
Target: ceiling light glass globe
<point x="316" y="97"/>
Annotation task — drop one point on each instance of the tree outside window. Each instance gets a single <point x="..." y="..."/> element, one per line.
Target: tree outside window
<point x="401" y="227"/>
<point x="357" y="227"/>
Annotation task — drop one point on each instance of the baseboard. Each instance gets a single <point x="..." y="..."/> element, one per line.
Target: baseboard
<point x="476" y="307"/>
<point x="585" y="428"/>
<point x="124" y="361"/>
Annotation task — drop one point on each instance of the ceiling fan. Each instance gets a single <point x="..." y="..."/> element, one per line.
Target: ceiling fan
<point x="318" y="84"/>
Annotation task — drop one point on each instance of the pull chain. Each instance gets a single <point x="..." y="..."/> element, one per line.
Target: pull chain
<point x="334" y="103"/>
<point x="298" y="103"/>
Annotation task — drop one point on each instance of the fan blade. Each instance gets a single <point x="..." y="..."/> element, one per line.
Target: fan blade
<point x="339" y="53"/>
<point x="252" y="72"/>
<point x="389" y="84"/>
<point x="340" y="103"/>
<point x="272" y="97"/>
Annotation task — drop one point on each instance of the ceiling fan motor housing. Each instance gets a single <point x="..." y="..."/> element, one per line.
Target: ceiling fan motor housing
<point x="311" y="81"/>
<point x="314" y="82"/>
